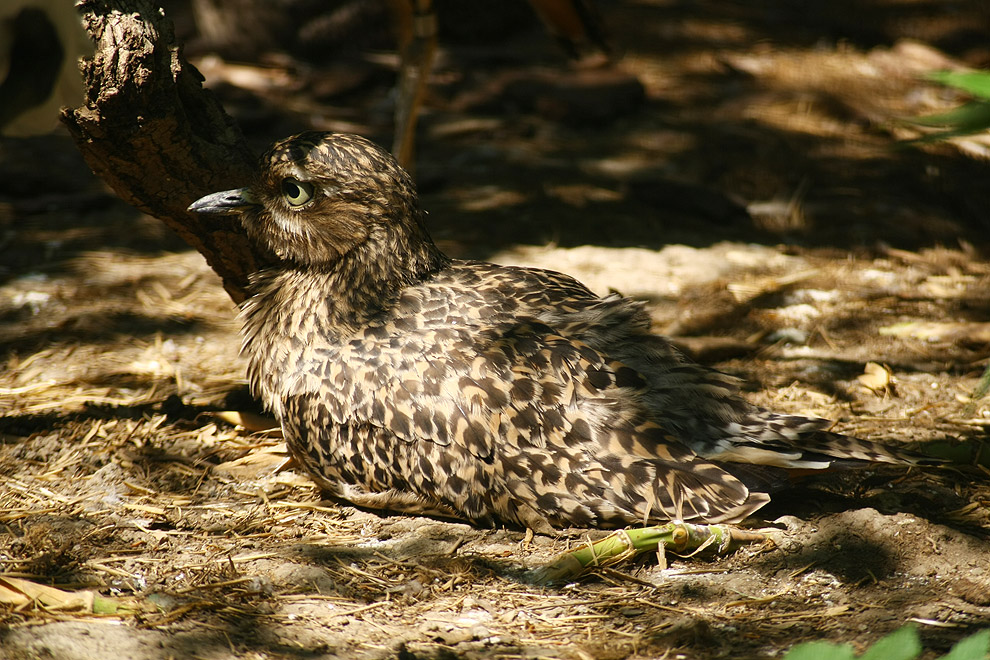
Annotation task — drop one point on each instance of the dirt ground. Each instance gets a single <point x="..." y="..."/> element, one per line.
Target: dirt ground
<point x="757" y="197"/>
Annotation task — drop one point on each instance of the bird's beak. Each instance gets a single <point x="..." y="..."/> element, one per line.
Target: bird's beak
<point x="228" y="201"/>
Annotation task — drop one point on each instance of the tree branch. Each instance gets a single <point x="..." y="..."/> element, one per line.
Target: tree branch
<point x="156" y="137"/>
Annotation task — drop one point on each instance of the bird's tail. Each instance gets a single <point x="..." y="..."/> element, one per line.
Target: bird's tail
<point x="769" y="469"/>
<point x="845" y="450"/>
<point x="794" y="442"/>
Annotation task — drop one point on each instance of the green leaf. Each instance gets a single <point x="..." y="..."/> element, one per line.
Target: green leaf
<point x="976" y="83"/>
<point x="901" y="644"/>
<point x="974" y="647"/>
<point x="821" y="651"/>
<point x="974" y="115"/>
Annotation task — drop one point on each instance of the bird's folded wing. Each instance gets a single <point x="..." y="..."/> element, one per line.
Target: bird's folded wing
<point x="550" y="414"/>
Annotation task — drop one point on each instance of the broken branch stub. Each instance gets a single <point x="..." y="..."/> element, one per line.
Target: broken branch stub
<point x="160" y="140"/>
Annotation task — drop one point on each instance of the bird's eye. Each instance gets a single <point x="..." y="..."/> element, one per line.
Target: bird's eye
<point x="296" y="192"/>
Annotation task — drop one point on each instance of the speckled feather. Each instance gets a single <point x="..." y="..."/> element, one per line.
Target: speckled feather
<point x="486" y="392"/>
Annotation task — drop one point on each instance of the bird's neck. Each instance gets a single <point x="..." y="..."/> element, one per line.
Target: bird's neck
<point x="351" y="291"/>
<point x="364" y="285"/>
<point x="294" y="311"/>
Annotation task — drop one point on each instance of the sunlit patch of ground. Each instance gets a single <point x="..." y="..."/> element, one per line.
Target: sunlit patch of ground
<point x="757" y="201"/>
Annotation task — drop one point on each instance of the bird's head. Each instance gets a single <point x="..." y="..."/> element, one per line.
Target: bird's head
<point x="319" y="197"/>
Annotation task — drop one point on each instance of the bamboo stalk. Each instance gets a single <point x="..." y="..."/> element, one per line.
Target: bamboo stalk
<point x="627" y="543"/>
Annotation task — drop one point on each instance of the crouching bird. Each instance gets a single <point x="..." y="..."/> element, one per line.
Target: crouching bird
<point x="406" y="379"/>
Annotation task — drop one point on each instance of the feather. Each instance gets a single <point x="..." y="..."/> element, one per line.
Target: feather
<point x="493" y="393"/>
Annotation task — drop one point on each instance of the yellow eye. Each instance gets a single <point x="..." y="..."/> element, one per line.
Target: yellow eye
<point x="296" y="192"/>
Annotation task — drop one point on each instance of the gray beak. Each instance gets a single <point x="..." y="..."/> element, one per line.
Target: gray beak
<point x="228" y="201"/>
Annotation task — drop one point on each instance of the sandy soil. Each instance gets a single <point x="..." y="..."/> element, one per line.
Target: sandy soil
<point x="757" y="197"/>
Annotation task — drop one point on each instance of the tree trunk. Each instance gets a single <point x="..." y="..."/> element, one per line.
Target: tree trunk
<point x="149" y="129"/>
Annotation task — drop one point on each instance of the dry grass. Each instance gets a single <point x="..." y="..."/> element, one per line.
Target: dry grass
<point x="123" y="471"/>
<point x="173" y="510"/>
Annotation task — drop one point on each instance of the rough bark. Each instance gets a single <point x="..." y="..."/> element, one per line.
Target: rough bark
<point x="149" y="129"/>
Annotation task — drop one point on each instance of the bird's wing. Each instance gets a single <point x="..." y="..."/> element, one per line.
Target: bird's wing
<point x="704" y="408"/>
<point x="559" y="425"/>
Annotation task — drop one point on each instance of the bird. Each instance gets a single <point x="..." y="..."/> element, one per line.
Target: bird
<point x="487" y="393"/>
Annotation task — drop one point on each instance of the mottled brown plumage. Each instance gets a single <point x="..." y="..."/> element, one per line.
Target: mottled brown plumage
<point x="403" y="378"/>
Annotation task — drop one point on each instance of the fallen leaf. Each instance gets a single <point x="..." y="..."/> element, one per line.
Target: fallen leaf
<point x="877" y="378"/>
<point x="264" y="460"/>
<point x="247" y="420"/>
<point x="23" y="594"/>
